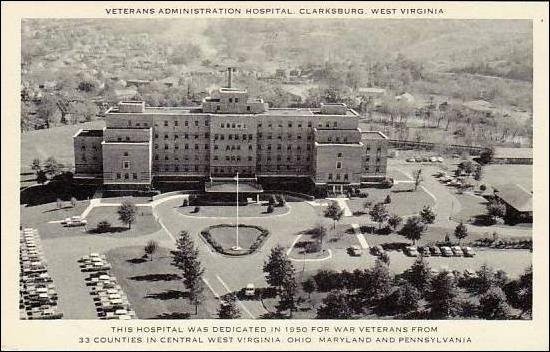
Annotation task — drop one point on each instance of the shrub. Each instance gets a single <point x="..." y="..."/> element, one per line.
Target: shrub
<point x="103" y="226"/>
<point x="272" y="200"/>
<point x="185" y="202"/>
<point x="197" y="209"/>
<point x="270" y="209"/>
<point x="482" y="188"/>
<point x="313" y="247"/>
<point x="388" y="199"/>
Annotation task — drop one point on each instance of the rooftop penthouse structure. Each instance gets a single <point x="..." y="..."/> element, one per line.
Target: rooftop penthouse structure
<point x="230" y="133"/>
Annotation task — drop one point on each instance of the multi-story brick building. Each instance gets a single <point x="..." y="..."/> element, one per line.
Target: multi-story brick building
<point x="230" y="133"/>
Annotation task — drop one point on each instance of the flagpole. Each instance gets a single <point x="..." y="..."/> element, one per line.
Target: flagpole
<point x="237" y="246"/>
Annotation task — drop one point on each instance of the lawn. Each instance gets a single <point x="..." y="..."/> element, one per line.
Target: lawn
<point x="145" y="222"/>
<point x="56" y="142"/>
<point x="340" y="238"/>
<point x="471" y="206"/>
<point x="37" y="216"/>
<point x="403" y="201"/>
<point x="224" y="237"/>
<point x="155" y="288"/>
<point x="250" y="210"/>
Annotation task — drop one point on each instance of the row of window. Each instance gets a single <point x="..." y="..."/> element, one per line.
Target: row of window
<point x="234" y="136"/>
<point x="185" y="146"/>
<point x="185" y="123"/>
<point x="289" y="136"/>
<point x="338" y="177"/>
<point x="232" y="158"/>
<point x="185" y="136"/>
<point x="138" y="124"/>
<point x="94" y="147"/>
<point x="233" y="125"/>
<point x="185" y="157"/>
<point x="127" y="176"/>
<point x="328" y="124"/>
<point x="279" y="147"/>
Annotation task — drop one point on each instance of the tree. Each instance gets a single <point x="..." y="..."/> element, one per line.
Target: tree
<point x="103" y="226"/>
<point x="73" y="201"/>
<point x="461" y="231"/>
<point x="59" y="203"/>
<point x="486" y="155"/>
<point x="413" y="229"/>
<point x="408" y="297"/>
<point x="287" y="299"/>
<point x="493" y="305"/>
<point x="375" y="283"/>
<point x="41" y="177"/>
<point x="335" y="305"/>
<point x="496" y="209"/>
<point x="48" y="110"/>
<point x="384" y="257"/>
<point x="277" y="267"/>
<point x="427" y="215"/>
<point x="35" y="166"/>
<point x="127" y="213"/>
<point x="309" y="286"/>
<point x="467" y="167"/>
<point x="417" y="177"/>
<point x="52" y="167"/>
<point x="334" y="212"/>
<point x="394" y="221"/>
<point x="270" y="209"/>
<point x="419" y="274"/>
<point x="150" y="248"/>
<point x="319" y="232"/>
<point x="228" y="308"/>
<point x="485" y="279"/>
<point x="379" y="214"/>
<point x="478" y="173"/>
<point x="442" y="296"/>
<point x="185" y="257"/>
<point x="387" y="200"/>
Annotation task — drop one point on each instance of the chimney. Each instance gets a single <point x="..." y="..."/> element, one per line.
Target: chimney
<point x="229" y="76"/>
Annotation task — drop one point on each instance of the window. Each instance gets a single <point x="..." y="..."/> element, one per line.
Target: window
<point x="222" y="125"/>
<point x="83" y="157"/>
<point x="215" y="147"/>
<point x="345" y="177"/>
<point x="339" y="165"/>
<point x="125" y="153"/>
<point x="339" y="155"/>
<point x="196" y="123"/>
<point x="156" y="157"/>
<point x="126" y="176"/>
<point x="134" y="176"/>
<point x="125" y="164"/>
<point x="206" y="123"/>
<point x="166" y="157"/>
<point x="330" y="176"/>
<point x="216" y="137"/>
<point x="334" y="124"/>
<point x="236" y="100"/>
<point x="156" y="135"/>
<point x="230" y="100"/>
<point x="186" y="146"/>
<point x="165" y="136"/>
<point x="249" y="158"/>
<point x="260" y="125"/>
<point x="129" y="123"/>
<point x="186" y="136"/>
<point x="119" y="139"/>
<point x="233" y="125"/>
<point x="118" y="176"/>
<point x="338" y="176"/>
<point x="218" y="108"/>
<point x="186" y="123"/>
<point x="166" y="123"/>
<point x="206" y="146"/>
<point x="248" y="109"/>
<point x="196" y="146"/>
<point x="176" y="136"/>
<point x="176" y="123"/>
<point x="215" y="157"/>
<point x="165" y="146"/>
<point x="127" y="138"/>
<point x="83" y="147"/>
<point x="138" y="124"/>
<point x="290" y="124"/>
<point x="176" y="146"/>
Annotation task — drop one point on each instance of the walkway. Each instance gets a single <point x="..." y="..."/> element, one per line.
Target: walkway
<point x="343" y="204"/>
<point x="360" y="237"/>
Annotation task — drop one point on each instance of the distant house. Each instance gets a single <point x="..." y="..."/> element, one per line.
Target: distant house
<point x="170" y="81"/>
<point x="513" y="156"/>
<point x="518" y="201"/>
<point x="137" y="82"/>
<point x="406" y="97"/>
<point x="480" y="107"/>
<point x="125" y="94"/>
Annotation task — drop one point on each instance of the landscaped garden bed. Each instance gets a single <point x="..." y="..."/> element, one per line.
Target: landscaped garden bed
<point x="223" y="238"/>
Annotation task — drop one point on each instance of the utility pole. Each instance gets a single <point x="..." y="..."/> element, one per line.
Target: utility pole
<point x="237" y="247"/>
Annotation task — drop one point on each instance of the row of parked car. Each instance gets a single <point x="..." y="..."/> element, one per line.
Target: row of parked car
<point x="426" y="251"/>
<point x="436" y="251"/>
<point x="425" y="159"/>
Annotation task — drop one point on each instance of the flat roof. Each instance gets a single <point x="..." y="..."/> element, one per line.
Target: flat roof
<point x="515" y="196"/>
<point x="373" y="135"/>
<point x="185" y="110"/>
<point x="231" y="187"/>
<point x="89" y="133"/>
<point x="513" y="153"/>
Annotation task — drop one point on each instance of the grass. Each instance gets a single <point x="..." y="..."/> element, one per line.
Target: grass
<point x="38" y="144"/>
<point x="145" y="222"/>
<point x="403" y="201"/>
<point x="155" y="288"/>
<point x="223" y="237"/>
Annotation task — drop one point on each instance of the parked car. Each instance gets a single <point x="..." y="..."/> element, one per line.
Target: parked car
<point x="436" y="252"/>
<point x="250" y="290"/>
<point x="410" y="160"/>
<point x="433" y="159"/>
<point x="425" y="159"/>
<point x="355" y="251"/>
<point x="411" y="251"/>
<point x="446" y="252"/>
<point x="468" y="252"/>
<point x="457" y="251"/>
<point x="377" y="250"/>
<point x="74" y="221"/>
<point x="439" y="159"/>
<point x="424" y="251"/>
<point x="469" y="273"/>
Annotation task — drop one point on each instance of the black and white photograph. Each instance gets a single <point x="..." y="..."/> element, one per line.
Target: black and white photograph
<point x="275" y="169"/>
<point x="231" y="171"/>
